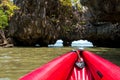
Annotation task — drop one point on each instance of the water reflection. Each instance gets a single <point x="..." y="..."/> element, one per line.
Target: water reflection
<point x="4" y="79"/>
<point x="16" y="62"/>
<point x="10" y="63"/>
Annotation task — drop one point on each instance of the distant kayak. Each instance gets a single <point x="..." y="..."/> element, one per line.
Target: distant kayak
<point x="76" y="65"/>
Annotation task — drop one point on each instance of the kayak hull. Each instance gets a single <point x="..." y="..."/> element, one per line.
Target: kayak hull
<point x="101" y="68"/>
<point x="64" y="68"/>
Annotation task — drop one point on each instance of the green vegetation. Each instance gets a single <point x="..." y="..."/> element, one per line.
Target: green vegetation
<point x="6" y="11"/>
<point x="3" y="19"/>
<point x="75" y="3"/>
<point x="66" y="2"/>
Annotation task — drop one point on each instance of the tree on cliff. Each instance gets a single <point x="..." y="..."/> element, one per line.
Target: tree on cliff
<point x="6" y="11"/>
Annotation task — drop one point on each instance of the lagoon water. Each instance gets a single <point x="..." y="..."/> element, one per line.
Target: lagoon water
<point x="16" y="62"/>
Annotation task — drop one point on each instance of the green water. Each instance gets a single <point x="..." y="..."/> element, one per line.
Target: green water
<point x="16" y="62"/>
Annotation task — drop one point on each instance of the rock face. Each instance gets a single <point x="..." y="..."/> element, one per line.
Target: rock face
<point x="30" y="25"/>
<point x="104" y="35"/>
<point x="44" y="21"/>
<point x="41" y="22"/>
<point x="104" y="18"/>
<point x="103" y="10"/>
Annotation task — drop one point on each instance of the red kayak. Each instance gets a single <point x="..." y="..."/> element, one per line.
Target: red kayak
<point x="76" y="65"/>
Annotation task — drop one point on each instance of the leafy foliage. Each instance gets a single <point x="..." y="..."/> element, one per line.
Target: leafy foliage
<point x="72" y="3"/>
<point x="6" y="11"/>
<point x="3" y="19"/>
<point x="66" y="2"/>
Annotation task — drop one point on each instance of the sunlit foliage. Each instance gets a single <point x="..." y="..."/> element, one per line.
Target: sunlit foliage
<point x="6" y="11"/>
<point x="72" y="3"/>
<point x="3" y="19"/>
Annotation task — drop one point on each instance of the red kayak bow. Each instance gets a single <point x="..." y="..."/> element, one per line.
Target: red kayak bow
<point x="70" y="66"/>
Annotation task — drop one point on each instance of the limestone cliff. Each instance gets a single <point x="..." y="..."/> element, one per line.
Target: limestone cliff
<point x="30" y="25"/>
<point x="41" y="22"/>
<point x="103" y="10"/>
<point x="44" y="21"/>
<point x="104" y="18"/>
